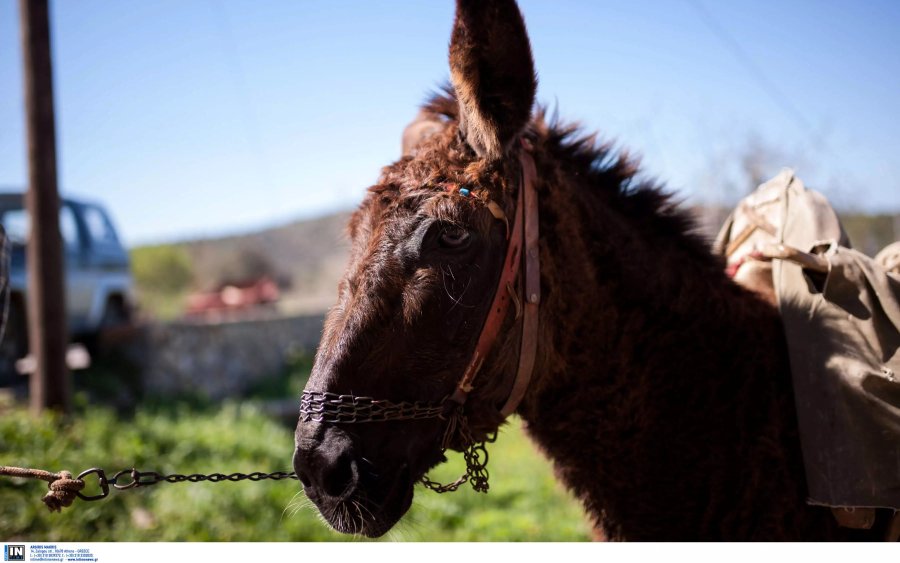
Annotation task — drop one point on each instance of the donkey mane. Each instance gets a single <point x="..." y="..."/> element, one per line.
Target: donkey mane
<point x="607" y="175"/>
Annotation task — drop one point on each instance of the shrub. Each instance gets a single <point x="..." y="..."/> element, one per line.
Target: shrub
<point x="165" y="268"/>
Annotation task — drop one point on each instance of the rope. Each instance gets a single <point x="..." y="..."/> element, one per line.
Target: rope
<point x="63" y="487"/>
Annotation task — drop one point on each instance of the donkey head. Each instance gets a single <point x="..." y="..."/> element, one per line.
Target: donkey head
<point x="426" y="255"/>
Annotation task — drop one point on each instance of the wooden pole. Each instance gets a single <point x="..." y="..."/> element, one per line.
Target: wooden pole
<point x="47" y="331"/>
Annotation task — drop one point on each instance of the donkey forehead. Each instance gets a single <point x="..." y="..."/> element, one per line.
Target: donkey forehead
<point x="388" y="223"/>
<point x="391" y="210"/>
<point x="444" y="182"/>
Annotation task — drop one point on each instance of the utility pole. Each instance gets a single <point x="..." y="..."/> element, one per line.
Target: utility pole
<point x="47" y="331"/>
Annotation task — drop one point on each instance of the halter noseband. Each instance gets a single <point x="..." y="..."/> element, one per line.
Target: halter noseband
<point x="318" y="406"/>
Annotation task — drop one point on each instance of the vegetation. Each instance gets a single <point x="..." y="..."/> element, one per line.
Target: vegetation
<point x="870" y="233"/>
<point x="162" y="277"/>
<point x="524" y="503"/>
<point x="165" y="267"/>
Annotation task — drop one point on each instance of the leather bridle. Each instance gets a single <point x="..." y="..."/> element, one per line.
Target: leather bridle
<point x="522" y="254"/>
<point x="522" y="260"/>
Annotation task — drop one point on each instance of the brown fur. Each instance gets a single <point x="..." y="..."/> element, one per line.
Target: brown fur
<point x="661" y="392"/>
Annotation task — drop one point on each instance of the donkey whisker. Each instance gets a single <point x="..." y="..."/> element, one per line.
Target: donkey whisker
<point x="457" y="301"/>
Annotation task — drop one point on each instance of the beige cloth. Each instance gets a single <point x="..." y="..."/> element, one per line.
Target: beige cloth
<point x="845" y="362"/>
<point x="763" y="214"/>
<point x="889" y="257"/>
<point x="843" y="334"/>
<point x="760" y="219"/>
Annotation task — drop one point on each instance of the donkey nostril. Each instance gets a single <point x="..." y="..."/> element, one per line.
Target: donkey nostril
<point x="340" y="479"/>
<point x="324" y="462"/>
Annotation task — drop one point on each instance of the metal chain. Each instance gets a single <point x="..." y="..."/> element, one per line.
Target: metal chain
<point x="476" y="468"/>
<point x="64" y="488"/>
<point x="132" y="478"/>
<point x="476" y="472"/>
<point x="316" y="406"/>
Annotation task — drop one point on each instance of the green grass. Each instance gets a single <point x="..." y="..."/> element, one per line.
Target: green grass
<point x="524" y="503"/>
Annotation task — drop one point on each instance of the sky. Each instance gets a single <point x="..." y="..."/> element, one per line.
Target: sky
<point x="193" y="118"/>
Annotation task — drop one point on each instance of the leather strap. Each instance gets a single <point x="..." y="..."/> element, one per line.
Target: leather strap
<point x="524" y="234"/>
<point x="532" y="286"/>
<point x="499" y="306"/>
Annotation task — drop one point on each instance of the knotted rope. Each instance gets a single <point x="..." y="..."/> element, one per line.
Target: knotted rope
<point x="63" y="487"/>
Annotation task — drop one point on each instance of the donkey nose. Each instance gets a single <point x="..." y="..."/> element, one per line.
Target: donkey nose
<point x="334" y="476"/>
<point x="327" y="467"/>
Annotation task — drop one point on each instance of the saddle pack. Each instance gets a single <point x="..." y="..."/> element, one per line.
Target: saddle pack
<point x="841" y="315"/>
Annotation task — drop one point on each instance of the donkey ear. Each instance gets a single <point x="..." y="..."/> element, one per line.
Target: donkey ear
<point x="422" y="127"/>
<point x="493" y="74"/>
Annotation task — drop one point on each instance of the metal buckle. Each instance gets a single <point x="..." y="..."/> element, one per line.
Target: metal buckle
<point x="104" y="484"/>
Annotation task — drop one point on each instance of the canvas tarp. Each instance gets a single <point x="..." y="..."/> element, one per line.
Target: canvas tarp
<point x="845" y="359"/>
<point x="843" y="333"/>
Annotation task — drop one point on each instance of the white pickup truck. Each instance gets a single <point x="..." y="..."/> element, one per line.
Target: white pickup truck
<point x="98" y="282"/>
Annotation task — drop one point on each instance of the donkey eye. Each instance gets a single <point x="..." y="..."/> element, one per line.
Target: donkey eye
<point x="454" y="237"/>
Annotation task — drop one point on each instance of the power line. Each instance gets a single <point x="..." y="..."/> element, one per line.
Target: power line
<point x="769" y="86"/>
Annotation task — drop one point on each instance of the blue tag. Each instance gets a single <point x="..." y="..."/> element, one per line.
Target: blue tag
<point x="464" y="192"/>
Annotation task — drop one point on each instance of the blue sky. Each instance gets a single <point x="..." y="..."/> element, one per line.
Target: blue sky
<point x="203" y="117"/>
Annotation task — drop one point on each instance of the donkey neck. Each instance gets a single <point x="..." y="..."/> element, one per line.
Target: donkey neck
<point x="663" y="391"/>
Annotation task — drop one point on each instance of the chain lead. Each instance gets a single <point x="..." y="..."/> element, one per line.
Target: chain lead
<point x="475" y="454"/>
<point x="136" y="479"/>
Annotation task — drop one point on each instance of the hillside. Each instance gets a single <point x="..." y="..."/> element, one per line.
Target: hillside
<point x="307" y="258"/>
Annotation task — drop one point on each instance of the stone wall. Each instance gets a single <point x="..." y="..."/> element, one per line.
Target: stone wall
<point x="221" y="359"/>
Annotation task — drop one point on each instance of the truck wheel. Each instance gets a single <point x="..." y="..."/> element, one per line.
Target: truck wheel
<point x="115" y="315"/>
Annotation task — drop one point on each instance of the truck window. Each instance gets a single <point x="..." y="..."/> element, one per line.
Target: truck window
<point x="15" y="221"/>
<point x="68" y="228"/>
<point x="18" y="226"/>
<point x="99" y="227"/>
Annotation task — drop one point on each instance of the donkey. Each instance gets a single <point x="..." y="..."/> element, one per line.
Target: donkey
<point x="659" y="389"/>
